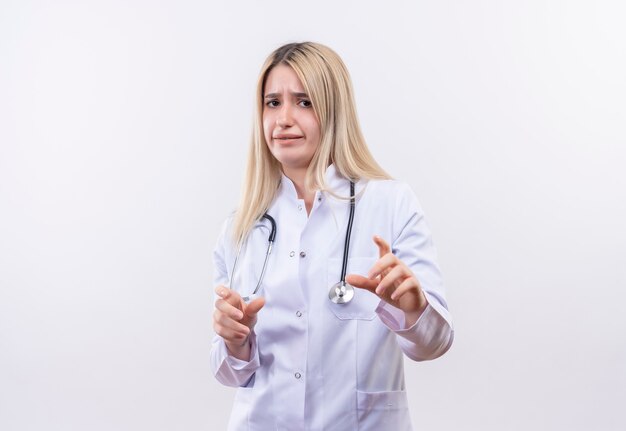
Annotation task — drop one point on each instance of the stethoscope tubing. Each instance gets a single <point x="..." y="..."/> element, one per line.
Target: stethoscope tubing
<point x="269" y="251"/>
<point x="270" y="240"/>
<point x="346" y="245"/>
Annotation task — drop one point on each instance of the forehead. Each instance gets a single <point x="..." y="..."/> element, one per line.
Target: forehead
<point x="282" y="78"/>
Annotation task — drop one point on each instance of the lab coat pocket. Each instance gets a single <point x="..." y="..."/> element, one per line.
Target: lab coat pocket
<point x="382" y="411"/>
<point x="363" y="305"/>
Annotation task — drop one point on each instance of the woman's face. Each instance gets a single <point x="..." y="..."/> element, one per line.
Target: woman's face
<point x="290" y="126"/>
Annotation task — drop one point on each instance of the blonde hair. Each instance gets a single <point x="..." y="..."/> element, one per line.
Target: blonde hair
<point x="327" y="83"/>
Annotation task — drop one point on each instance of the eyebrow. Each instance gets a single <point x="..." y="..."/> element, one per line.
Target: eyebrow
<point x="275" y="95"/>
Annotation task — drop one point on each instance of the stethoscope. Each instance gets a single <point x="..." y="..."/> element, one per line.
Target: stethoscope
<point x="341" y="292"/>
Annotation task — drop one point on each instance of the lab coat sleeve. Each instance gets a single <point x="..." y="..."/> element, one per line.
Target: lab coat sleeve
<point x="227" y="369"/>
<point x="432" y="334"/>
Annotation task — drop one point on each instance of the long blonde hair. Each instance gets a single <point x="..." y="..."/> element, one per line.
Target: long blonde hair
<point x="327" y="82"/>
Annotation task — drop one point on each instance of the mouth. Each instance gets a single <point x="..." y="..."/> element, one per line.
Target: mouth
<point x="287" y="137"/>
<point x="284" y="139"/>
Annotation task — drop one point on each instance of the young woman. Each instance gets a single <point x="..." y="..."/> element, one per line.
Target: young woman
<point x="306" y="350"/>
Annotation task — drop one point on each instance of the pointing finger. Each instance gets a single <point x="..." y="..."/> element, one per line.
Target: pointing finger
<point x="383" y="246"/>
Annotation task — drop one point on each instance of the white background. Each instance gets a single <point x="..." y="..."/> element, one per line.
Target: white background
<point x="123" y="126"/>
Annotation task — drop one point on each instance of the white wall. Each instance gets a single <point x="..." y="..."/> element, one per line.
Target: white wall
<point x="122" y="129"/>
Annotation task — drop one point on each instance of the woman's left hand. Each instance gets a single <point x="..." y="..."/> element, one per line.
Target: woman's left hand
<point x="392" y="281"/>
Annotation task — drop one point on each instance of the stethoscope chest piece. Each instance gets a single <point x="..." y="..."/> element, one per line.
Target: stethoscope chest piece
<point x="341" y="293"/>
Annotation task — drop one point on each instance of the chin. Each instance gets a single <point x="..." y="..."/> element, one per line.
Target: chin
<point x="292" y="162"/>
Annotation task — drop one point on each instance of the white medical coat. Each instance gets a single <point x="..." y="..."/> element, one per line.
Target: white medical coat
<point x="316" y="365"/>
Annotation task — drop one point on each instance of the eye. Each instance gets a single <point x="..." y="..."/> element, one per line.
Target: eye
<point x="272" y="103"/>
<point x="305" y="103"/>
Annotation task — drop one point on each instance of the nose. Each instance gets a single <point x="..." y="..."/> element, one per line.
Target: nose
<point x="285" y="116"/>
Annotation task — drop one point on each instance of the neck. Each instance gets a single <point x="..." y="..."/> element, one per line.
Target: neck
<point x="297" y="176"/>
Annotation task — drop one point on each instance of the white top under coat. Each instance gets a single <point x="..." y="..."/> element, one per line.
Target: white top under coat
<point x="317" y="365"/>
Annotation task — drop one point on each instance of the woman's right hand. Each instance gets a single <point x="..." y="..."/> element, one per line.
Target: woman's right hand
<point x="234" y="320"/>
